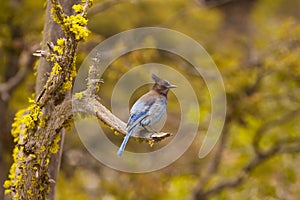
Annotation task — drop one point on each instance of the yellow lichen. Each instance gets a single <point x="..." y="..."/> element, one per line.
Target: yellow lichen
<point x="16" y="196"/>
<point x="78" y="8"/>
<point x="42" y="188"/>
<point x="43" y="148"/>
<point x="56" y="69"/>
<point x="35" y="66"/>
<point x="56" y="8"/>
<point x="16" y="124"/>
<point x="32" y="156"/>
<point x="67" y="85"/>
<point x="47" y="161"/>
<point x="29" y="192"/>
<point x="116" y="133"/>
<point x="51" y="57"/>
<point x="7" y="191"/>
<point x="77" y="25"/>
<point x="54" y="147"/>
<point x="60" y="42"/>
<point x="90" y="2"/>
<point x="60" y="47"/>
<point x="78" y="95"/>
<point x="27" y="121"/>
<point x="42" y="123"/>
<point x="7" y="184"/>
<point x="151" y="143"/>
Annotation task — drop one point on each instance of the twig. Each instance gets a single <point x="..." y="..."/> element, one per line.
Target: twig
<point x="99" y="7"/>
<point x="7" y="87"/>
<point x="271" y="124"/>
<point x="25" y="61"/>
<point x="286" y="145"/>
<point x="277" y="149"/>
<point x="214" y="164"/>
<point x="213" y="3"/>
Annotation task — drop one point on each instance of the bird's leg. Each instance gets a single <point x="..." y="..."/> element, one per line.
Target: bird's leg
<point x="146" y="128"/>
<point x="150" y="129"/>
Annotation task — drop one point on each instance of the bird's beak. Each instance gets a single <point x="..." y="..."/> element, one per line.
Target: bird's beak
<point x="172" y="86"/>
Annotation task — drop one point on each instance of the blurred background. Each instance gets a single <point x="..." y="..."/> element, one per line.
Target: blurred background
<point x="256" y="46"/>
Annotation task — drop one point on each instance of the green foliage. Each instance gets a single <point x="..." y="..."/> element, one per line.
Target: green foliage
<point x="180" y="187"/>
<point x="260" y="67"/>
<point x="70" y="189"/>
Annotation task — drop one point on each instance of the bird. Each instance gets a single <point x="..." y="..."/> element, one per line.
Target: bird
<point x="148" y="109"/>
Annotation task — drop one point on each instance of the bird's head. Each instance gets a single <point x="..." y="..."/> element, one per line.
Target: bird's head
<point x="161" y="86"/>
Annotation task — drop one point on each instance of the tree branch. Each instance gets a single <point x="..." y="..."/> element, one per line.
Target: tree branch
<point x="286" y="145"/>
<point x="248" y="168"/>
<point x="213" y="3"/>
<point x="213" y="167"/>
<point x="99" y="7"/>
<point x="37" y="129"/>
<point x="24" y="62"/>
<point x="271" y="124"/>
<point x="88" y="102"/>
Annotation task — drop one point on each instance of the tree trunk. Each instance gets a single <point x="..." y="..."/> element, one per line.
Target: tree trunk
<point x="52" y="32"/>
<point x="37" y="130"/>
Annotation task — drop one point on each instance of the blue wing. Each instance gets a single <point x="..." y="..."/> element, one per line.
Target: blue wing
<point x="146" y="111"/>
<point x="139" y="111"/>
<point x="156" y="112"/>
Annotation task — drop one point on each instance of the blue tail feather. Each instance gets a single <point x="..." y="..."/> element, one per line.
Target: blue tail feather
<point x="123" y="145"/>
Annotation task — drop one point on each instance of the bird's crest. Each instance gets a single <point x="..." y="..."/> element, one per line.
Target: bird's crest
<point x="162" y="82"/>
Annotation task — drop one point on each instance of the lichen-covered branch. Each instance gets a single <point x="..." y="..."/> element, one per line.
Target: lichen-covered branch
<point x="36" y="129"/>
<point x="88" y="102"/>
<point x="92" y="106"/>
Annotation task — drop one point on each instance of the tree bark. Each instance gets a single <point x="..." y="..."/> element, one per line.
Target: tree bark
<point x="52" y="31"/>
<point x="37" y="129"/>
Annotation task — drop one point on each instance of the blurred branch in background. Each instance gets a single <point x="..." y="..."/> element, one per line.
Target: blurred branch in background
<point x="255" y="45"/>
<point x="16" y="64"/>
<point x="214" y="3"/>
<point x="104" y="5"/>
<point x="24" y="63"/>
<point x="260" y="133"/>
<point x="282" y="146"/>
<point x="213" y="166"/>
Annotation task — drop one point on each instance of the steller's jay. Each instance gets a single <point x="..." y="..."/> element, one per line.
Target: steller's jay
<point x="148" y="109"/>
